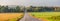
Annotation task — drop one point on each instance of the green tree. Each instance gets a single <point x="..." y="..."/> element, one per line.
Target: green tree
<point x="6" y="9"/>
<point x="2" y="9"/>
<point x="17" y="9"/>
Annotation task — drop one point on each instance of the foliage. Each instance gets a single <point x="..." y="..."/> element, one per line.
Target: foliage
<point x="55" y="17"/>
<point x="40" y="9"/>
<point x="7" y="9"/>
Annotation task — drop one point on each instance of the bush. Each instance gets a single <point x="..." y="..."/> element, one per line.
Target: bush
<point x="55" y="17"/>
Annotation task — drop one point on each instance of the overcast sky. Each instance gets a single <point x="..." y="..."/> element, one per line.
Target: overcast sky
<point x="31" y="2"/>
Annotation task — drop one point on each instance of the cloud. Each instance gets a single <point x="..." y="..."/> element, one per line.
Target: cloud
<point x="46" y="2"/>
<point x="31" y="2"/>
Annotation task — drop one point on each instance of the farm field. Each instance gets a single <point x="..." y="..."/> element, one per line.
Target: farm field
<point x="10" y="16"/>
<point x="46" y="16"/>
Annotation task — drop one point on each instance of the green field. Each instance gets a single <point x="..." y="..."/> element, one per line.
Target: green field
<point x="49" y="16"/>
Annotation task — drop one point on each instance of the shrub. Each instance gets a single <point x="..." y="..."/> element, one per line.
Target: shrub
<point x="55" y="17"/>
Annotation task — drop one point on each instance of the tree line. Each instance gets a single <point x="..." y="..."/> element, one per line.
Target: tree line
<point x="7" y="9"/>
<point x="30" y="9"/>
<point x="43" y="9"/>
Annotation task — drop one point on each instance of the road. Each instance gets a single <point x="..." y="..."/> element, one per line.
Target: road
<point x="27" y="17"/>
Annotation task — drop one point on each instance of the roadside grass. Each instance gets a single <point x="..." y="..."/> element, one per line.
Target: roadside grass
<point x="10" y="16"/>
<point x="49" y="16"/>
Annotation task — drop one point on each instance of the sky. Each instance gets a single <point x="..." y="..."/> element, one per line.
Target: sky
<point x="31" y="2"/>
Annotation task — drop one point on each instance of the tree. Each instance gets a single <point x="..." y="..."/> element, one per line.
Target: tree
<point x="0" y="5"/>
<point x="29" y="10"/>
<point x="6" y="9"/>
<point x="2" y="9"/>
<point x="17" y="9"/>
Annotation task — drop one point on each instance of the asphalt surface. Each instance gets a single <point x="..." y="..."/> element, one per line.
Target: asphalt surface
<point x="27" y="17"/>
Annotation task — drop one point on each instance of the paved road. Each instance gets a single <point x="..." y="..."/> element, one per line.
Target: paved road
<point x="28" y="18"/>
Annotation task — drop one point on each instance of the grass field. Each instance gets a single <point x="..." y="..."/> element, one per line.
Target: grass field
<point x="10" y="16"/>
<point x="45" y="16"/>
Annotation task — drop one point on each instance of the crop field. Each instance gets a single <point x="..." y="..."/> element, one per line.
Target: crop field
<point x="10" y="16"/>
<point x="46" y="16"/>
